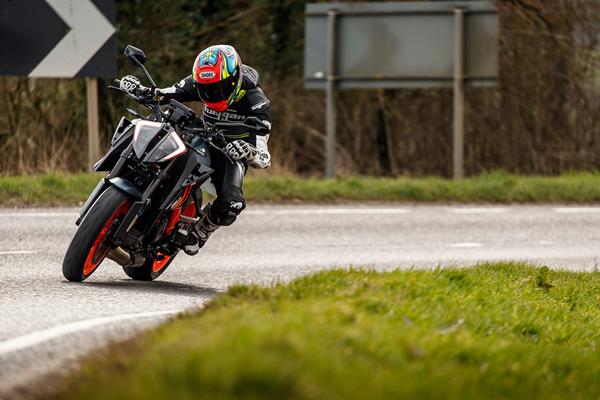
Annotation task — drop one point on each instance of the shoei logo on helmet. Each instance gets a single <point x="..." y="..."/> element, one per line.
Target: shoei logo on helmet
<point x="207" y="75"/>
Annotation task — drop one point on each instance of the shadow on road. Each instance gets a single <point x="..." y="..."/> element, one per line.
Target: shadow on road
<point x="157" y="287"/>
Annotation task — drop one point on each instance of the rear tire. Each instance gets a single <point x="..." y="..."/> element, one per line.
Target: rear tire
<point x="151" y="269"/>
<point x="88" y="247"/>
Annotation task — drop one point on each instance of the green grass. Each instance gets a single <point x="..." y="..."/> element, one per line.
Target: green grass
<point x="504" y="330"/>
<point x="497" y="187"/>
<point x="46" y="190"/>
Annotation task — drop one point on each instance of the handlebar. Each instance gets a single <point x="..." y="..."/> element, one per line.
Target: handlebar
<point x="214" y="137"/>
<point x="211" y="134"/>
<point x="141" y="98"/>
<point x="118" y="87"/>
<point x="136" y="95"/>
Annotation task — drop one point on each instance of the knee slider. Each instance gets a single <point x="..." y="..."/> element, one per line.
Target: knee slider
<point x="229" y="216"/>
<point x="236" y="206"/>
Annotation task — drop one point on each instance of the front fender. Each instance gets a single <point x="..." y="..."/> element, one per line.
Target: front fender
<point x="121" y="184"/>
<point x="126" y="187"/>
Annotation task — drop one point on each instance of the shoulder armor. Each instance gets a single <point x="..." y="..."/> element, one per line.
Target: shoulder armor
<point x="257" y="99"/>
<point x="250" y="76"/>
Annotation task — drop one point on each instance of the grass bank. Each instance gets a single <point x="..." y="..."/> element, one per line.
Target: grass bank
<point x="502" y="330"/>
<point x="498" y="187"/>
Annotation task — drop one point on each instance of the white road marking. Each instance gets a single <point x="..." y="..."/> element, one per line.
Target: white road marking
<point x="35" y="338"/>
<point x="290" y="211"/>
<point x="323" y="211"/>
<point x="479" y="210"/>
<point x="545" y="242"/>
<point x="573" y="210"/>
<point x="331" y="211"/>
<point x="466" y="245"/>
<point x="4" y="253"/>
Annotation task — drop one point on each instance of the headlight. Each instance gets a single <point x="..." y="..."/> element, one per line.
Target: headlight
<point x="170" y="147"/>
<point x="145" y="131"/>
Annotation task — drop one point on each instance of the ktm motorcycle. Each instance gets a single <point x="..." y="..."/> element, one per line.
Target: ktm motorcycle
<point x="141" y="213"/>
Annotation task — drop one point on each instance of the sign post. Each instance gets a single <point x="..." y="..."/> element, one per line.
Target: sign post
<point x="71" y="38"/>
<point x="331" y="116"/>
<point x="418" y="44"/>
<point x="459" y="95"/>
<point x="91" y="85"/>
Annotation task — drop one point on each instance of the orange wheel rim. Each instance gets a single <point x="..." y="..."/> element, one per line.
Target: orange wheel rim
<point x="98" y="252"/>
<point x="160" y="262"/>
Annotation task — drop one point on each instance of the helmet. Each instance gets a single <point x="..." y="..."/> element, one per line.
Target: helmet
<point x="217" y="74"/>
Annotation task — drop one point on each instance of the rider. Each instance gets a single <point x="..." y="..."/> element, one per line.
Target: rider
<point x="231" y="93"/>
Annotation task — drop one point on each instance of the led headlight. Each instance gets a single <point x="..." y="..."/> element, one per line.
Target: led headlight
<point x="170" y="147"/>
<point x="145" y="131"/>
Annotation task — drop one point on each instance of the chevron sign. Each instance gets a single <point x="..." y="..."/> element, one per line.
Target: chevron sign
<point x="57" y="38"/>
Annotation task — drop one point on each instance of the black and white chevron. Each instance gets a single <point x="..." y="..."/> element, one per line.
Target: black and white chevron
<point x="58" y="38"/>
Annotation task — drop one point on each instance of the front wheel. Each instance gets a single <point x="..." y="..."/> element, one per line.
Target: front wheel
<point x="91" y="243"/>
<point x="152" y="268"/>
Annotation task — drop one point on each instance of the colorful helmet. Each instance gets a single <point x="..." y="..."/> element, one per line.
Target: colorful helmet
<point x="217" y="73"/>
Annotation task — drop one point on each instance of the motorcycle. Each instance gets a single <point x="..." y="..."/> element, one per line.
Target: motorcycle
<point x="141" y="213"/>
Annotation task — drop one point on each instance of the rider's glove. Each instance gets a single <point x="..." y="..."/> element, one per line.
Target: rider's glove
<point x="129" y="84"/>
<point x="132" y="85"/>
<point x="262" y="159"/>
<point x="239" y="149"/>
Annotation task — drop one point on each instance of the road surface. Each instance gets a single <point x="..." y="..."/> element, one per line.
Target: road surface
<point x="47" y="324"/>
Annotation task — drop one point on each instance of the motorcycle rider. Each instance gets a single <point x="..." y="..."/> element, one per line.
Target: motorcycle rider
<point x="230" y="92"/>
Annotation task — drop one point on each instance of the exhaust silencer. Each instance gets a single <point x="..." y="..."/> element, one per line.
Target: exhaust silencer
<point x="119" y="256"/>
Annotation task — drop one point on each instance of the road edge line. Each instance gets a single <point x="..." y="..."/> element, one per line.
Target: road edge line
<point x="37" y="337"/>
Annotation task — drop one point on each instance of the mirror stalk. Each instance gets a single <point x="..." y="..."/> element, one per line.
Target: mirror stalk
<point x="146" y="73"/>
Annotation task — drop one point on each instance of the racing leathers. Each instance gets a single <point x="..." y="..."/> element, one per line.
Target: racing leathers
<point x="246" y="120"/>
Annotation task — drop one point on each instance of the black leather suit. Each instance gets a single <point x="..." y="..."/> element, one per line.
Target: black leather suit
<point x="228" y="177"/>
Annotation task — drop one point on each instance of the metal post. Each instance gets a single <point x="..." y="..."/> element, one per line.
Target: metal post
<point x="93" y="125"/>
<point x="459" y="94"/>
<point x="330" y="95"/>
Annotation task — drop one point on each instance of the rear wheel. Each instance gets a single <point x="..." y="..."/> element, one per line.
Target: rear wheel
<point x="91" y="243"/>
<point x="151" y="269"/>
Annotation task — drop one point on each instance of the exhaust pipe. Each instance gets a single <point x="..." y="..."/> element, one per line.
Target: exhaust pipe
<point x="120" y="256"/>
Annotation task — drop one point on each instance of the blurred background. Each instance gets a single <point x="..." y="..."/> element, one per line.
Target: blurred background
<point x="542" y="118"/>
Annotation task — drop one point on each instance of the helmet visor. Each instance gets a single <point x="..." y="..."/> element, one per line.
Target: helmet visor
<point x="216" y="91"/>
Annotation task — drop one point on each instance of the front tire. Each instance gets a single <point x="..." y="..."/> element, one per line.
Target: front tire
<point x="90" y="246"/>
<point x="152" y="268"/>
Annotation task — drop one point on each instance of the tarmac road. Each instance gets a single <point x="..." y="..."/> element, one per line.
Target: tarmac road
<point x="46" y="323"/>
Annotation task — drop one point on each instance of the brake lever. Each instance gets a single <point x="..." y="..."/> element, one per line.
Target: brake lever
<point x="128" y="94"/>
<point x="134" y="113"/>
<point x="118" y="89"/>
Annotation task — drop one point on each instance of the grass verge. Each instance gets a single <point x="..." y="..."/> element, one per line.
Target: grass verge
<point x="503" y="330"/>
<point x="497" y="187"/>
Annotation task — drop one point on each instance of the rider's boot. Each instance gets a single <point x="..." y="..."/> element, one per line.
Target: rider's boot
<point x="200" y="233"/>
